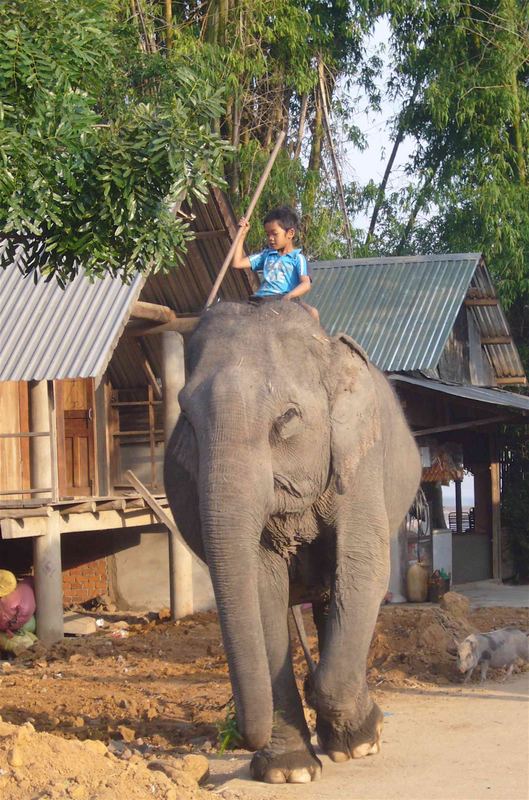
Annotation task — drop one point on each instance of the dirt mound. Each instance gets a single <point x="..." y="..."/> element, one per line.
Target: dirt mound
<point x="39" y="765"/>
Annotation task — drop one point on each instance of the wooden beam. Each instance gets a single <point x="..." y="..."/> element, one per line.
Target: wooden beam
<point x="175" y="540"/>
<point x="519" y="380"/>
<point x="459" y="426"/>
<point x="220" y="234"/>
<point x="183" y="324"/>
<point x="78" y="508"/>
<point x="148" y="370"/>
<point x="22" y="513"/>
<point x="481" y="301"/>
<point x="152" y="311"/>
<point x="496" y="340"/>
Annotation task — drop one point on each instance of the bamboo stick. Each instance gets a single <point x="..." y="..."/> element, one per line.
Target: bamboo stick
<point x="249" y="212"/>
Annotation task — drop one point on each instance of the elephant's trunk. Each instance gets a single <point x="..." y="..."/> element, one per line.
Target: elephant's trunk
<point x="233" y="506"/>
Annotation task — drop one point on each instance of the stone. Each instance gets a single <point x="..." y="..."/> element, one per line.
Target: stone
<point x="15" y="757"/>
<point x="197" y="766"/>
<point x="128" y="734"/>
<point x="78" y="624"/>
<point x="96" y="746"/>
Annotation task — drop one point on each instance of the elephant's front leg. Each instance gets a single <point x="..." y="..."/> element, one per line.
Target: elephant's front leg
<point x="349" y="723"/>
<point x="288" y="757"/>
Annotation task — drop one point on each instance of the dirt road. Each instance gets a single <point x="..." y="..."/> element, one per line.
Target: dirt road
<point x="441" y="744"/>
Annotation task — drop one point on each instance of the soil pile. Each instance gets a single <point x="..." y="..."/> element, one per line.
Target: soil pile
<point x="38" y="765"/>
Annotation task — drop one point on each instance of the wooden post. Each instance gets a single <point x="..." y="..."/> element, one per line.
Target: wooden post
<point x="180" y="562"/>
<point x="459" y="507"/>
<point x="46" y="549"/>
<point x="495" y="507"/>
<point x="249" y="212"/>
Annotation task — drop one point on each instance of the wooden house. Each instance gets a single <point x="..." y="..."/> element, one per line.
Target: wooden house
<point x="83" y="371"/>
<point x="435" y="326"/>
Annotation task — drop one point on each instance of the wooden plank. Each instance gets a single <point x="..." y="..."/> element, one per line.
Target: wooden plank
<point x="219" y="234"/>
<point x="520" y="380"/>
<point x="23" y="410"/>
<point x="180" y="325"/>
<point x="459" y="426"/>
<point x="25" y="490"/>
<point x="481" y="301"/>
<point x="148" y="370"/>
<point x="153" y="311"/>
<point x="175" y="540"/>
<point x="496" y="340"/>
<point x="78" y="508"/>
<point x="22" y="513"/>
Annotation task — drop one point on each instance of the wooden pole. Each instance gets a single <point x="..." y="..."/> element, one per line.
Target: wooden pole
<point x="47" y="548"/>
<point x="180" y="563"/>
<point x="249" y="212"/>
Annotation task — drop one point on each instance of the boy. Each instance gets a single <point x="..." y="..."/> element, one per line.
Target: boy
<point x="284" y="268"/>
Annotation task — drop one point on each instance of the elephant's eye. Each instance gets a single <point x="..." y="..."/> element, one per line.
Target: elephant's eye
<point x="288" y="423"/>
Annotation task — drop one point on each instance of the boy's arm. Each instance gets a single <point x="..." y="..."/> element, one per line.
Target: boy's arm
<point x="302" y="288"/>
<point x="239" y="260"/>
<point x="305" y="283"/>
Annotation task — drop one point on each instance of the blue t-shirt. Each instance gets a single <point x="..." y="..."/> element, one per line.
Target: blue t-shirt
<point x="281" y="273"/>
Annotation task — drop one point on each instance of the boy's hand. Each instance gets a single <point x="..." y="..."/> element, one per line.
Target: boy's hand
<point x="243" y="223"/>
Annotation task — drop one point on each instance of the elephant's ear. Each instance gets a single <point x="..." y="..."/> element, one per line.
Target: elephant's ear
<point x="354" y="410"/>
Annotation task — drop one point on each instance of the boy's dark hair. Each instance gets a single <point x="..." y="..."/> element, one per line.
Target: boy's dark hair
<point x="285" y="216"/>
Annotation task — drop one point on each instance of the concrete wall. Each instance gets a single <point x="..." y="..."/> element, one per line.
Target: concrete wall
<point x="139" y="576"/>
<point x="471" y="557"/>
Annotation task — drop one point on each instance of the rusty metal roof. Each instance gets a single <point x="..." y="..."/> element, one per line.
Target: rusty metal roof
<point x="401" y="309"/>
<point x="481" y="394"/>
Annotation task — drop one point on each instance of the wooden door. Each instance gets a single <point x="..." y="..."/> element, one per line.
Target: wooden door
<point x="75" y="428"/>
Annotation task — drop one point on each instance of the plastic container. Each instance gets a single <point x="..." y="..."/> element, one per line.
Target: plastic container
<point x="417" y="583"/>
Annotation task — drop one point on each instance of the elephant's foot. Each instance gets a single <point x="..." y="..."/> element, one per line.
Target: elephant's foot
<point x="295" y="766"/>
<point x="344" y="738"/>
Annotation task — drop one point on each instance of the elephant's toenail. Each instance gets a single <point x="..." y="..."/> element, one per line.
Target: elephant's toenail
<point x="299" y="776"/>
<point x="275" y="776"/>
<point x="338" y="757"/>
<point x="363" y="750"/>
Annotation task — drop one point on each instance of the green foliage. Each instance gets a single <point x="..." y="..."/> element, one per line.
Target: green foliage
<point x="229" y="736"/>
<point x="462" y="70"/>
<point x="98" y="141"/>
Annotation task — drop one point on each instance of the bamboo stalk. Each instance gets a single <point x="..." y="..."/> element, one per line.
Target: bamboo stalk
<point x="249" y="212"/>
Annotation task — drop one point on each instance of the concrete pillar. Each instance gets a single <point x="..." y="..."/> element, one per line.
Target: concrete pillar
<point x="46" y="548"/>
<point x="459" y="507"/>
<point x="180" y="560"/>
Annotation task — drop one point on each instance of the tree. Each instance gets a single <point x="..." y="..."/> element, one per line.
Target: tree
<point x="98" y="140"/>
<point x="463" y="71"/>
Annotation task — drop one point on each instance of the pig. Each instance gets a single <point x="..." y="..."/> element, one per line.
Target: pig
<point x="498" y="648"/>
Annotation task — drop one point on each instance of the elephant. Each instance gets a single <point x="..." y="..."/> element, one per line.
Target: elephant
<point x="290" y="465"/>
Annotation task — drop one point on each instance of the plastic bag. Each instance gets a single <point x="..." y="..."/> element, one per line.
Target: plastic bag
<point x="18" y="642"/>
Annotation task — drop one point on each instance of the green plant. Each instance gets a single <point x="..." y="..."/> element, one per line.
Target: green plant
<point x="228" y="735"/>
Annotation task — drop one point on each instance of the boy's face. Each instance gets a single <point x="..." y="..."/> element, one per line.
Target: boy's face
<point x="278" y="238"/>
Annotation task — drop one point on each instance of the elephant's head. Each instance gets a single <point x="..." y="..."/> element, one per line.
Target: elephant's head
<point x="274" y="415"/>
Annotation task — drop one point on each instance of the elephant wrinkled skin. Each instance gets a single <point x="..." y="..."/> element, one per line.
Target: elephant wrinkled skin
<point x="290" y="465"/>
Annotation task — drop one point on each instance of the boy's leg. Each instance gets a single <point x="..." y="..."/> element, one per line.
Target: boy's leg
<point x="311" y="310"/>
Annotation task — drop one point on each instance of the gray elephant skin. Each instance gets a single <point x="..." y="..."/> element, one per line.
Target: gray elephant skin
<point x="290" y="465"/>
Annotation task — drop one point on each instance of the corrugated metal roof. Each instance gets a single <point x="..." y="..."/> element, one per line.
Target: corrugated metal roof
<point x="492" y="322"/>
<point x="400" y="309"/>
<point x="49" y="332"/>
<point x="496" y="397"/>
